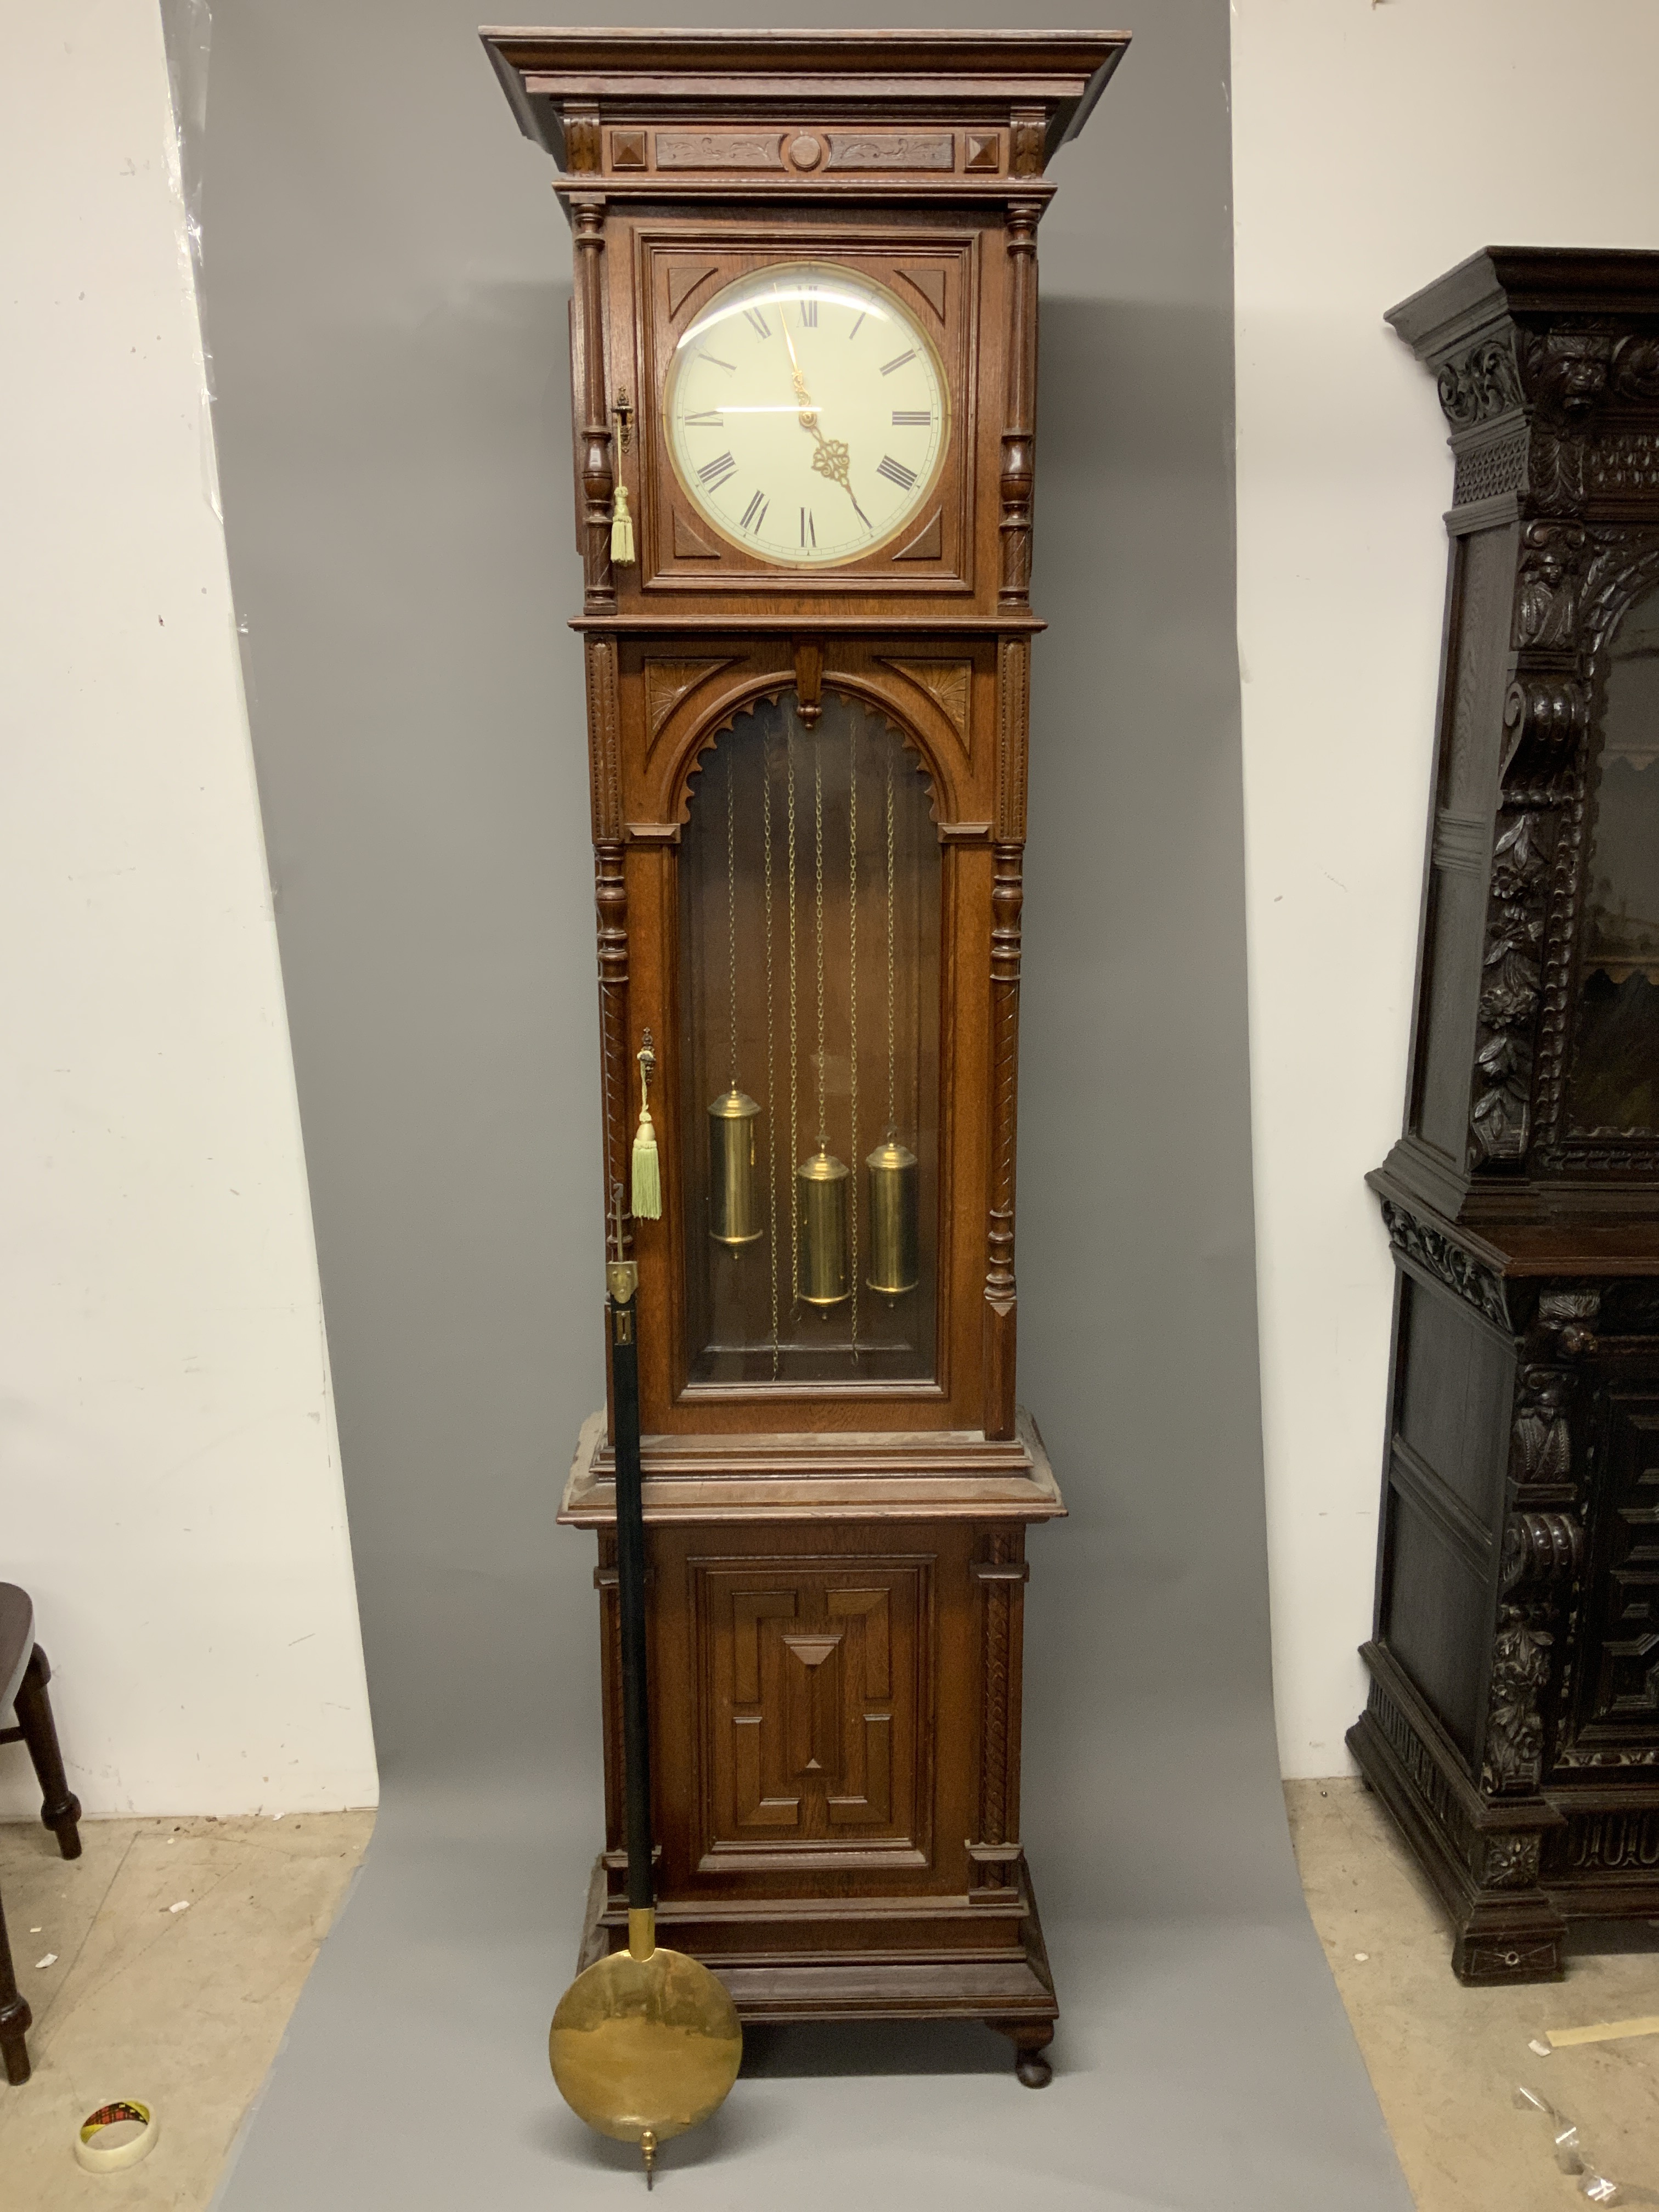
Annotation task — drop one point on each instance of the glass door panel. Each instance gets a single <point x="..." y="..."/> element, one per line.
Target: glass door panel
<point x="810" y="891"/>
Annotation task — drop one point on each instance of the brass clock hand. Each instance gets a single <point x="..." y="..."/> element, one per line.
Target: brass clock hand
<point x="833" y="455"/>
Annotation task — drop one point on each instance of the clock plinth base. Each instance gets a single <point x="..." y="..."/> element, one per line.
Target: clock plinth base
<point x="1004" y="1982"/>
<point x="835" y="1689"/>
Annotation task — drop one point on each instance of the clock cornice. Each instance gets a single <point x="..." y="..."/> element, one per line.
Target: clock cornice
<point x="569" y="88"/>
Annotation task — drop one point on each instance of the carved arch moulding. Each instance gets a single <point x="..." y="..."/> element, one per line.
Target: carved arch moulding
<point x="693" y="731"/>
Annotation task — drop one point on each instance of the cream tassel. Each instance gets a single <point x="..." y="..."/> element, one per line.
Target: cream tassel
<point x="647" y="1172"/>
<point x="622" y="542"/>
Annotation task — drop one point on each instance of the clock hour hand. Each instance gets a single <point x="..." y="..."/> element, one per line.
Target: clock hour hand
<point x="833" y="455"/>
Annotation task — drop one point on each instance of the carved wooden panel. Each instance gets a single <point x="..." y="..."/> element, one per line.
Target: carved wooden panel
<point x="815" y="1674"/>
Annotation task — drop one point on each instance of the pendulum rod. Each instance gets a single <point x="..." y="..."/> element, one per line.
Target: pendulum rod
<point x="892" y="1052"/>
<point x="818" y="934"/>
<point x="794" y="1063"/>
<point x="771" y="1064"/>
<point x="732" y="908"/>
<point x="853" y="1008"/>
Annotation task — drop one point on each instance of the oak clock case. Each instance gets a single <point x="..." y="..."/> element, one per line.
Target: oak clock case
<point x="803" y="369"/>
<point x="1513" y="1721"/>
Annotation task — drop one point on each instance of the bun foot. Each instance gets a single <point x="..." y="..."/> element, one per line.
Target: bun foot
<point x="1030" y="2039"/>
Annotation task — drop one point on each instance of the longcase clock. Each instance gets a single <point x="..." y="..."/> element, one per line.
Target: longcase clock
<point x="804" y="352"/>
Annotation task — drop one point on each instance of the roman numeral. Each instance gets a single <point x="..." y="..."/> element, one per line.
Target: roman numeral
<point x="762" y="328"/>
<point x="896" y="472"/>
<point x="755" y="514"/>
<point x="897" y="361"/>
<point x="713" y="474"/>
<point x="809" y="529"/>
<point x="857" y="325"/>
<point x="708" y="419"/>
<point x="809" y="311"/>
<point x="905" y="418"/>
<point x="729" y="365"/>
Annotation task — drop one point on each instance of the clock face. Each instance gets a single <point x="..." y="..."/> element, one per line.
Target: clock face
<point x="807" y="415"/>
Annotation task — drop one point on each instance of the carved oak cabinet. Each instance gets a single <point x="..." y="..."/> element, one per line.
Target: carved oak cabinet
<point x="804" y="352"/>
<point x="1513" y="1721"/>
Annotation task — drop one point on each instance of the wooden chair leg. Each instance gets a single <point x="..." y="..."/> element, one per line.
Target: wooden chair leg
<point x="60" y="1808"/>
<point x="15" y="2016"/>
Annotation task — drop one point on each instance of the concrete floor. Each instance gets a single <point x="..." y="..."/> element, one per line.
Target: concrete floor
<point x="1445" y="2061"/>
<point x="186" y="2010"/>
<point x="182" y="2010"/>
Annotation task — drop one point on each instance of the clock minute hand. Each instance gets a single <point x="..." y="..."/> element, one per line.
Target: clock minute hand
<point x="808" y="413"/>
<point x="833" y="455"/>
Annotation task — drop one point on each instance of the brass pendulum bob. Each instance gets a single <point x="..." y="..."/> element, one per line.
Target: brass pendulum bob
<point x="733" y="1199"/>
<point x="646" y="2043"/>
<point x="892" y="1173"/>
<point x="821" y="1183"/>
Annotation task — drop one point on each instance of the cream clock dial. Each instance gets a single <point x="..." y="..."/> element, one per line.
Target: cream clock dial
<point x="807" y="415"/>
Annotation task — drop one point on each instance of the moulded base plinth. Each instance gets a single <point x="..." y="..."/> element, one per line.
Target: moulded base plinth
<point x="1007" y="1985"/>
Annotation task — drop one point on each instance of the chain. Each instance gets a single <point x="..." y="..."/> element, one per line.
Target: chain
<point x="794" y="1061"/>
<point x="892" y="1053"/>
<point x="732" y="910"/>
<point x="771" y="1062"/>
<point x="817" y="818"/>
<point x="852" y="1006"/>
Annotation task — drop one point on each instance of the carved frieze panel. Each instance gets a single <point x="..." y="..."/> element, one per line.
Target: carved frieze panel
<point x="1570" y="385"/>
<point x="892" y="150"/>
<point x="1610" y="1842"/>
<point x="719" y="149"/>
<point x="1488" y="471"/>
<point x="1627" y="461"/>
<point x="1447" y="1262"/>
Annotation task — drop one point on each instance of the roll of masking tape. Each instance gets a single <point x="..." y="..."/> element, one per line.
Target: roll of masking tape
<point x="118" y="2134"/>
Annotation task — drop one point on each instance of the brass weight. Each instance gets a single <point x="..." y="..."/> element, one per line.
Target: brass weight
<point x="821" y="1183"/>
<point x="892" y="1175"/>
<point x="733" y="1211"/>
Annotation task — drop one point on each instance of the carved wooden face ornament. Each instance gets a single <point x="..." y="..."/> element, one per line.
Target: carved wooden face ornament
<point x="807" y="415"/>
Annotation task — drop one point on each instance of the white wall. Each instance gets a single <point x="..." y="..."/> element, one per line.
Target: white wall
<point x="1374" y="145"/>
<point x="169" y="1477"/>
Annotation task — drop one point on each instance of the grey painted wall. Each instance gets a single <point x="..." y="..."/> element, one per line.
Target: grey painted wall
<point x="387" y="273"/>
